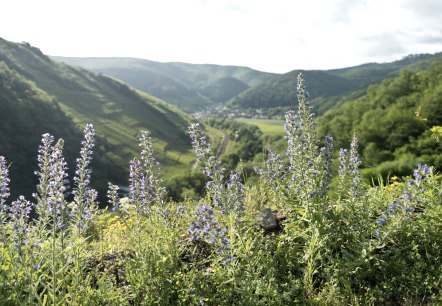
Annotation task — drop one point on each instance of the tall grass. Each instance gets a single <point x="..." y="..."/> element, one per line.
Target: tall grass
<point x="334" y="240"/>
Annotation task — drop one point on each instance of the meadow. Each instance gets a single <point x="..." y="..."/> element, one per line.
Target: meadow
<point x="304" y="233"/>
<point x="272" y="127"/>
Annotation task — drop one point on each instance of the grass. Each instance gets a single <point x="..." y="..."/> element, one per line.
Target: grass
<point x="273" y="127"/>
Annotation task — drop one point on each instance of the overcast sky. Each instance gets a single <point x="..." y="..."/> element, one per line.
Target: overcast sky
<point x="272" y="35"/>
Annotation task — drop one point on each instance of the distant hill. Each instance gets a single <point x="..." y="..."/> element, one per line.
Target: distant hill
<point x="222" y="89"/>
<point x="326" y="87"/>
<point x="188" y="86"/>
<point x="38" y="94"/>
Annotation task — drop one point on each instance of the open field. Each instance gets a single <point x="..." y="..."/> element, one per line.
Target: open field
<point x="267" y="126"/>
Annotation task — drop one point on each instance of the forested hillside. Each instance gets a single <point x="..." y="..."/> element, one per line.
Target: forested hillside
<point x="188" y="86"/>
<point x="393" y="122"/>
<point x="327" y="87"/>
<point x="46" y="96"/>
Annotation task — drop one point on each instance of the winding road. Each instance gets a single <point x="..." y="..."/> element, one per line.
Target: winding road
<point x="222" y="148"/>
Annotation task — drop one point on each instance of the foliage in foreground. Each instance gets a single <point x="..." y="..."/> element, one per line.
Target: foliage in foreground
<point x="335" y="241"/>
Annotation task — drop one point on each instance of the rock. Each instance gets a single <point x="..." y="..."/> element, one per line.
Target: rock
<point x="266" y="219"/>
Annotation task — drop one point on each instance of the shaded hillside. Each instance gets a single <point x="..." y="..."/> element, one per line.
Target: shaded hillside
<point x="184" y="85"/>
<point x="117" y="111"/>
<point x="281" y="90"/>
<point x="392" y="137"/>
<point x="328" y="87"/>
<point x="27" y="112"/>
<point x="222" y="89"/>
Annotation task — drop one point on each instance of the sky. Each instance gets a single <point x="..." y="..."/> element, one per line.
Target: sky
<point x="272" y="35"/>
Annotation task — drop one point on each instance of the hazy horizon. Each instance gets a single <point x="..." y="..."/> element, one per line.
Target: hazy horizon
<point x="277" y="37"/>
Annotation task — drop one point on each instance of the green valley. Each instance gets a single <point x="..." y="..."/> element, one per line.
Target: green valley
<point x="188" y="86"/>
<point x="54" y="97"/>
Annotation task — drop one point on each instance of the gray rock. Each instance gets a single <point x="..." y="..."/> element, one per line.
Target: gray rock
<point x="266" y="219"/>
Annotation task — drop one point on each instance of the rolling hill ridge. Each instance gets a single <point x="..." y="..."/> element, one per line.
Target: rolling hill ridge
<point x="327" y="87"/>
<point x="188" y="86"/>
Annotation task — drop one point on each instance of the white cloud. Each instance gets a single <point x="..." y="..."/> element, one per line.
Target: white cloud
<point x="279" y="36"/>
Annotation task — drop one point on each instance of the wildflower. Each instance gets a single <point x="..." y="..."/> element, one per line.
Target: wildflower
<point x="181" y="210"/>
<point x="310" y="168"/>
<point x="275" y="169"/>
<point x="327" y="160"/>
<point x="235" y="194"/>
<point x="146" y="187"/>
<point x="151" y="169"/>
<point x="211" y="168"/>
<point x="4" y="189"/>
<point x="382" y="220"/>
<point x="57" y="186"/>
<point x="84" y="197"/>
<point x="45" y="163"/>
<point x="343" y="159"/>
<point x="19" y="215"/>
<point x="421" y="175"/>
<point x="412" y="196"/>
<point x="206" y="228"/>
<point x="137" y="186"/>
<point x="83" y="173"/>
<point x="349" y="173"/>
<point x="199" y="142"/>
<point x="378" y="234"/>
<point x="112" y="194"/>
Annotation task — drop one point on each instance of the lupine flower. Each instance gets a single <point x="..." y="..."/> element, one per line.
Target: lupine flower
<point x="327" y="160"/>
<point x="381" y="220"/>
<point x="211" y="166"/>
<point x="112" y="194"/>
<point x="343" y="164"/>
<point x="52" y="183"/>
<point x="181" y="210"/>
<point x="199" y="142"/>
<point x="275" y="171"/>
<point x="235" y="195"/>
<point x="274" y="174"/>
<point x="421" y="175"/>
<point x="57" y="185"/>
<point x="83" y="173"/>
<point x="349" y="173"/>
<point x="83" y="207"/>
<point x="146" y="187"/>
<point x="305" y="160"/>
<point x="19" y="215"/>
<point x="206" y="228"/>
<point x="413" y="195"/>
<point x="45" y="162"/>
<point x="4" y="189"/>
<point x="151" y="168"/>
<point x="378" y="234"/>
<point x="137" y="187"/>
<point x="354" y="161"/>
